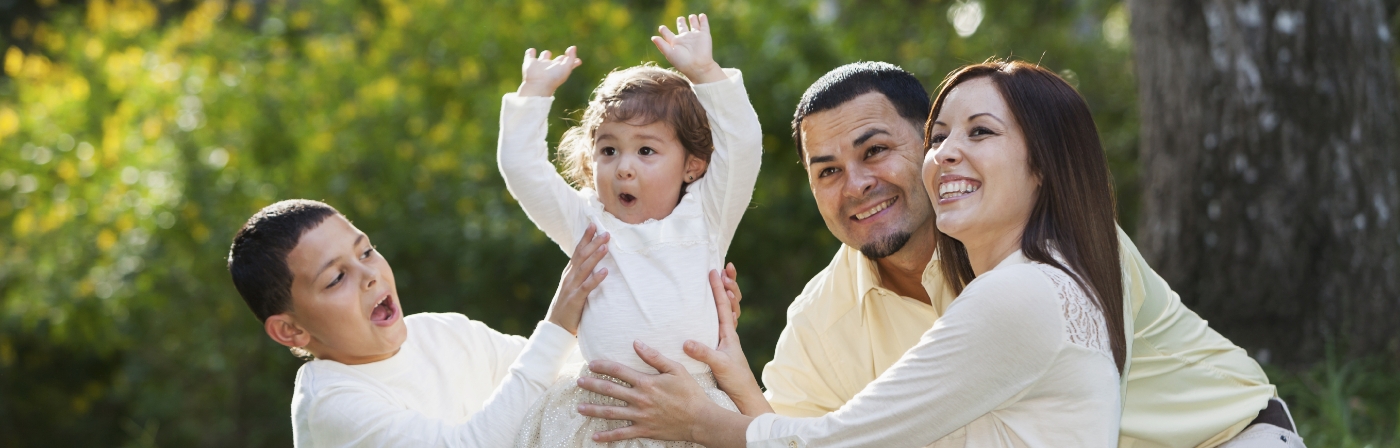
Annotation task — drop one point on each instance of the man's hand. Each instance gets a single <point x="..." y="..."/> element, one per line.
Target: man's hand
<point x="690" y="51"/>
<point x="578" y="280"/>
<point x="731" y="286"/>
<point x="730" y="366"/>
<point x="543" y="75"/>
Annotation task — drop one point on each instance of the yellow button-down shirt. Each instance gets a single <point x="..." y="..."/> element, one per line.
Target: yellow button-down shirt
<point x="1186" y="384"/>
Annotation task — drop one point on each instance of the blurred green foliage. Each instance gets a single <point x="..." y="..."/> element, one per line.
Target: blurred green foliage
<point x="135" y="138"/>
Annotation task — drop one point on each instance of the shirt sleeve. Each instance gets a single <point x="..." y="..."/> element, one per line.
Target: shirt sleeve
<point x="797" y="381"/>
<point x="523" y="158"/>
<point x="506" y="347"/>
<point x="350" y="413"/>
<point x="727" y="187"/>
<point x="995" y="341"/>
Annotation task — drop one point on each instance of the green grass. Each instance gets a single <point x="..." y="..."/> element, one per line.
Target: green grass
<point x="1344" y="403"/>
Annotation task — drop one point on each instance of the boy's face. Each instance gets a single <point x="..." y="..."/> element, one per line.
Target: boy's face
<point x="343" y="295"/>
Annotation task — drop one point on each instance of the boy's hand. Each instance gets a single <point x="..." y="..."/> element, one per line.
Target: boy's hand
<point x="578" y="280"/>
<point x="543" y="75"/>
<point x="691" y="50"/>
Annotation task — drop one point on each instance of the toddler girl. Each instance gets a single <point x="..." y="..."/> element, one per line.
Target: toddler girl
<point x="667" y="168"/>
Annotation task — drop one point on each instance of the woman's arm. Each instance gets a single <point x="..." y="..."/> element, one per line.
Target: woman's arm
<point x="523" y="156"/>
<point x="996" y="340"/>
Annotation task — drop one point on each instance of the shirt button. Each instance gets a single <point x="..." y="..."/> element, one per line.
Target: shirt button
<point x="792" y="444"/>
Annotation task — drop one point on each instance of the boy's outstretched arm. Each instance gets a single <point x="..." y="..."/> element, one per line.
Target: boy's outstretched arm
<point x="543" y="75"/>
<point x="690" y="51"/>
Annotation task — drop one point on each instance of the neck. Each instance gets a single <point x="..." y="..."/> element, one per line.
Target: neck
<point x="321" y="352"/>
<point x="903" y="271"/>
<point x="985" y="253"/>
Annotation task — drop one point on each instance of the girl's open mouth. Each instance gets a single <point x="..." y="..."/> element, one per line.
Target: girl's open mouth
<point x="627" y="199"/>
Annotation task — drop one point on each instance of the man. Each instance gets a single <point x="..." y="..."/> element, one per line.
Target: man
<point x="859" y="133"/>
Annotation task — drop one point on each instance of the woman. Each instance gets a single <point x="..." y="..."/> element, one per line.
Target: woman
<point x="1034" y="343"/>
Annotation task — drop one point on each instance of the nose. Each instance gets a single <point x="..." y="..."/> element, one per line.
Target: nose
<point x="947" y="153"/>
<point x="625" y="168"/>
<point x="859" y="181"/>
<point x="370" y="274"/>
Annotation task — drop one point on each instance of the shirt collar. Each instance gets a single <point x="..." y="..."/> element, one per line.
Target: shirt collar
<point x="867" y="274"/>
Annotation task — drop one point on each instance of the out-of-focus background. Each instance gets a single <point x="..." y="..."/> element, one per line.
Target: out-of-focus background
<point x="1253" y="142"/>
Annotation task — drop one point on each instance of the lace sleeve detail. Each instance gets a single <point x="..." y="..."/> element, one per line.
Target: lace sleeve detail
<point x="1084" y="323"/>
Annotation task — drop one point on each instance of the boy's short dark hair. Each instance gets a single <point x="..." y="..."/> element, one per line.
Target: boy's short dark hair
<point x="258" y="258"/>
<point x="849" y="81"/>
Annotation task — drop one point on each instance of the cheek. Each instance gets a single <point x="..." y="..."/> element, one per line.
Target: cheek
<point x="829" y="204"/>
<point x="930" y="174"/>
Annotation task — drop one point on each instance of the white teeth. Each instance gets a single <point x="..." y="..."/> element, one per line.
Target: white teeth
<point x="877" y="209"/>
<point x="955" y="188"/>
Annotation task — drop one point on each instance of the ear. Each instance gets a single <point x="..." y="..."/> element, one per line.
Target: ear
<point x="284" y="329"/>
<point x="694" y="168"/>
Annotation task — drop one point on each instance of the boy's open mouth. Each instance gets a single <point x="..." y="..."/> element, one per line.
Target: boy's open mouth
<point x="385" y="311"/>
<point x="627" y="199"/>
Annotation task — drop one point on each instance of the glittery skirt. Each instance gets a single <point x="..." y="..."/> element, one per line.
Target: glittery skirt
<point x="554" y="421"/>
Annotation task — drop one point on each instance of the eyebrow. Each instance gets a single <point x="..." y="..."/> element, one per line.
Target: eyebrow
<point x="639" y="136"/>
<point x="974" y="117"/>
<point x="989" y="114"/>
<point x="358" y="239"/>
<point x="857" y="142"/>
<point x="867" y="135"/>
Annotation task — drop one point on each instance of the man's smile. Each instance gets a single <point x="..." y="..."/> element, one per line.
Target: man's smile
<point x="873" y="210"/>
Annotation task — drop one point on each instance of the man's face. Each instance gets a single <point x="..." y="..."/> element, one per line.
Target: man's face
<point x="863" y="162"/>
<point x="343" y="294"/>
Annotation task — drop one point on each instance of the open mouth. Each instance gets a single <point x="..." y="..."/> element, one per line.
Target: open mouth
<point x="957" y="188"/>
<point x="627" y="199"/>
<point x="874" y="210"/>
<point x="385" y="311"/>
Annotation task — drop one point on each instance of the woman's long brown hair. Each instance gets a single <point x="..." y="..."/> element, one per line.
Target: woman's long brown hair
<point x="1074" y="213"/>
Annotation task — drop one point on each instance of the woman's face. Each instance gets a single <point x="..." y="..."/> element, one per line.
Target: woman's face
<point x="977" y="171"/>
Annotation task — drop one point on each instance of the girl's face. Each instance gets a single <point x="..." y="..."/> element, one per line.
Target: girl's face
<point x="977" y="170"/>
<point x="638" y="170"/>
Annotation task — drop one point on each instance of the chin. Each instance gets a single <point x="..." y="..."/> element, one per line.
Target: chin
<point x="951" y="227"/>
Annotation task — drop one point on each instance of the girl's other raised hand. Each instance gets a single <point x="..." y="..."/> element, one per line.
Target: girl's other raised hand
<point x="543" y="74"/>
<point x="690" y="49"/>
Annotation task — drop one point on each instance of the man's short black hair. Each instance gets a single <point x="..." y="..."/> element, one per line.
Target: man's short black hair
<point x="849" y="81"/>
<point x="258" y="259"/>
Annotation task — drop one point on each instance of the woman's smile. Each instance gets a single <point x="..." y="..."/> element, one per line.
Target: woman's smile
<point x="953" y="187"/>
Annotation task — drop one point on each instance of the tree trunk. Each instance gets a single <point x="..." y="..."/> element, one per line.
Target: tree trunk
<point x="1270" y="132"/>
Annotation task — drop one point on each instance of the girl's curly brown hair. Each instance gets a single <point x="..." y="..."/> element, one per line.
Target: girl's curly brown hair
<point x="638" y="95"/>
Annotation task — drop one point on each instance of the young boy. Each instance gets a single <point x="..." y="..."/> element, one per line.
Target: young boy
<point x="379" y="378"/>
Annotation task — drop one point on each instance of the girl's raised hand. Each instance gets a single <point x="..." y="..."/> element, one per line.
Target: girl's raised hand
<point x="542" y="75"/>
<point x="690" y="51"/>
